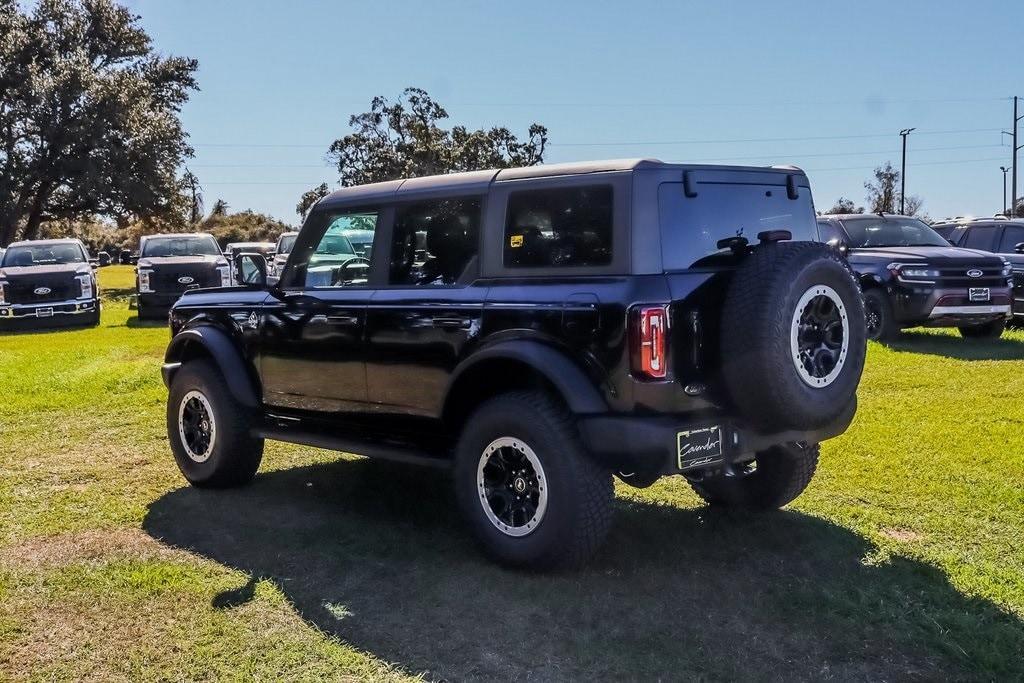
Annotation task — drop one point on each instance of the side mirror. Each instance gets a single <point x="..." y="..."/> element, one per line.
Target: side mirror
<point x="250" y="270"/>
<point x="95" y="263"/>
<point x="1019" y="247"/>
<point x="839" y="245"/>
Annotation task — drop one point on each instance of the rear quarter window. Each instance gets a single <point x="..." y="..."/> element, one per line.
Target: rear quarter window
<point x="692" y="226"/>
<point x="559" y="227"/>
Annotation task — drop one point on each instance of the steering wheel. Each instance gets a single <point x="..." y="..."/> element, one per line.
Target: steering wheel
<point x="354" y="261"/>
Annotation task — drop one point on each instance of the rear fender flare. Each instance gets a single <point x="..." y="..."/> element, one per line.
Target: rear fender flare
<point x="577" y="390"/>
<point x="205" y="340"/>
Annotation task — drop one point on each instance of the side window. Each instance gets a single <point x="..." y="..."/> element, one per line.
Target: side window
<point x="435" y="242"/>
<point x="830" y="233"/>
<point x="341" y="257"/>
<point x="559" y="228"/>
<point x="1012" y="236"/>
<point x="979" y="238"/>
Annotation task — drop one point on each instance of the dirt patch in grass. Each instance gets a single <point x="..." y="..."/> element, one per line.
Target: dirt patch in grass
<point x="94" y="545"/>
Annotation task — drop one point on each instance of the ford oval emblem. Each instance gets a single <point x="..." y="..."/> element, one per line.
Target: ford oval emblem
<point x="186" y="279"/>
<point x="42" y="291"/>
<point x="974" y="272"/>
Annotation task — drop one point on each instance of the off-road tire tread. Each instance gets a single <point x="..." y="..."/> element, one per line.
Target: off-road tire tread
<point x="771" y="487"/>
<point x="593" y="490"/>
<point x="243" y="452"/>
<point x="766" y="272"/>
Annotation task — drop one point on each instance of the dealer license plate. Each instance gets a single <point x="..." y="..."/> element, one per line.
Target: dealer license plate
<point x="44" y="312"/>
<point x="699" y="447"/>
<point x="979" y="294"/>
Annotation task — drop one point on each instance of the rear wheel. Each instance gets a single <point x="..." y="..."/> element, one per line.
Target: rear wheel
<point x="879" y="321"/>
<point x="774" y="478"/>
<point x="531" y="495"/>
<point x="992" y="330"/>
<point x="209" y="430"/>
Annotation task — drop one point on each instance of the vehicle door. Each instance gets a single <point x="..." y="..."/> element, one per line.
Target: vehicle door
<point x="429" y="309"/>
<point x="313" y="341"/>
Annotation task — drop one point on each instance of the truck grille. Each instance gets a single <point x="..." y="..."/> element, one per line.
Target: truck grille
<point x="957" y="277"/>
<point x="164" y="280"/>
<point x="23" y="290"/>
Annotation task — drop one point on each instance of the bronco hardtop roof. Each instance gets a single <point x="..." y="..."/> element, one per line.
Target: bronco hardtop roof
<point x="478" y="181"/>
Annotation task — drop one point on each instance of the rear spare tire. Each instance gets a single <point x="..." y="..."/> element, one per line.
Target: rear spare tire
<point x="793" y="336"/>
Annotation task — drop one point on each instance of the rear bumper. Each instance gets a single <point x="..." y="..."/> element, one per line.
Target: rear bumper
<point x="646" y="447"/>
<point x="55" y="314"/>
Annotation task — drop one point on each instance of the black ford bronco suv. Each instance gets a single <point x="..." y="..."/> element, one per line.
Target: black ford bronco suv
<point x="912" y="276"/>
<point x="48" y="283"/>
<point x="169" y="265"/>
<point x="559" y="325"/>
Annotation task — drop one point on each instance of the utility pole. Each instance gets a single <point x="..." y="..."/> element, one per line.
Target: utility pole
<point x="903" y="173"/>
<point x="1013" y="156"/>
<point x="1004" y="170"/>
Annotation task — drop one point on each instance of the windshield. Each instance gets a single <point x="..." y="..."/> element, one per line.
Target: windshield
<point x="43" y="255"/>
<point x="203" y="245"/>
<point x="285" y="244"/>
<point x="891" y="232"/>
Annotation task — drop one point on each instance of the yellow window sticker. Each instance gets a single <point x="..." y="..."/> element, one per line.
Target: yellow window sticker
<point x="515" y="241"/>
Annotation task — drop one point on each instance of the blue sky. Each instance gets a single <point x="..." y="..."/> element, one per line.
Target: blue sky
<point x="825" y="85"/>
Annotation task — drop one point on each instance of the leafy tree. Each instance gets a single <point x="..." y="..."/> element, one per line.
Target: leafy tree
<point x="220" y="208"/>
<point x="405" y="139"/>
<point x="194" y="194"/>
<point x="844" y="205"/>
<point x="244" y="226"/>
<point x="310" y="198"/>
<point x="89" y="116"/>
<point x="884" y="195"/>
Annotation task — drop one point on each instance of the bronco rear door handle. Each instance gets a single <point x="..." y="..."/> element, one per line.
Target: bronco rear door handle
<point x="451" y="323"/>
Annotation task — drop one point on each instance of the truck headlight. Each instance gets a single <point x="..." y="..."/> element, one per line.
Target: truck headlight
<point x="918" y="273"/>
<point x="87" y="288"/>
<point x="225" y="275"/>
<point x="3" y="293"/>
<point x="144" y="285"/>
<point x="1007" y="268"/>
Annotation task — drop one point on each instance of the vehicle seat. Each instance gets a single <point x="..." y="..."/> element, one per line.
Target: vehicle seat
<point x="452" y="246"/>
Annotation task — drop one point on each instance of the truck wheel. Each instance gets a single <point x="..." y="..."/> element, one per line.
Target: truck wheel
<point x="531" y="495"/>
<point x="879" y="320"/>
<point x="992" y="330"/>
<point x="792" y="336"/>
<point x="775" y="477"/>
<point x="209" y="430"/>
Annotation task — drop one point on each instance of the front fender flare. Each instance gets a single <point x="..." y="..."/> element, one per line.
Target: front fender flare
<point x="576" y="388"/>
<point x="218" y="346"/>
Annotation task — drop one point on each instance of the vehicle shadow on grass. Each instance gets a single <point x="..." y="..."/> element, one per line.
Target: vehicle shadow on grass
<point x="955" y="346"/>
<point x="137" y="322"/>
<point x="374" y="554"/>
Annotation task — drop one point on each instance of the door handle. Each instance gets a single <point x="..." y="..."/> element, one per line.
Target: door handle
<point x="343" y="319"/>
<point x="451" y="323"/>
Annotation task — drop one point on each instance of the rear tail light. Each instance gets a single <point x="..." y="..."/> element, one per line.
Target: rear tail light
<point x="650" y="342"/>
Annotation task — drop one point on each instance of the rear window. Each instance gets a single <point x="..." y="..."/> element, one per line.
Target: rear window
<point x="692" y="226"/>
<point x="565" y="227"/>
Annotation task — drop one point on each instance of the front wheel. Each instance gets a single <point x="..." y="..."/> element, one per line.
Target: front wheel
<point x="992" y="330"/>
<point x="209" y="430"/>
<point x="774" y="478"/>
<point x="531" y="495"/>
<point x="879" y="321"/>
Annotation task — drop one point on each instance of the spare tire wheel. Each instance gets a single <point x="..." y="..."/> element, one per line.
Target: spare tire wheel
<point x="793" y="336"/>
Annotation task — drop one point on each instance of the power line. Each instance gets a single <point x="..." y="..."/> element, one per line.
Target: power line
<point x="627" y="143"/>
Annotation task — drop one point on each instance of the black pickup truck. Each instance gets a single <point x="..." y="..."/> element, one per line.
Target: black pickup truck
<point x="47" y="283"/>
<point x="536" y="331"/>
<point x="172" y="264"/>
<point x="912" y="276"/>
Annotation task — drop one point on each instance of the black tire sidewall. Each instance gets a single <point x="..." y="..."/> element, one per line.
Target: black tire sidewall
<point x="234" y="450"/>
<point x="887" y="329"/>
<point x="514" y="416"/>
<point x="758" y="363"/>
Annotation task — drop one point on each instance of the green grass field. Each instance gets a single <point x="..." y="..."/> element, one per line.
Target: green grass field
<point x="903" y="559"/>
